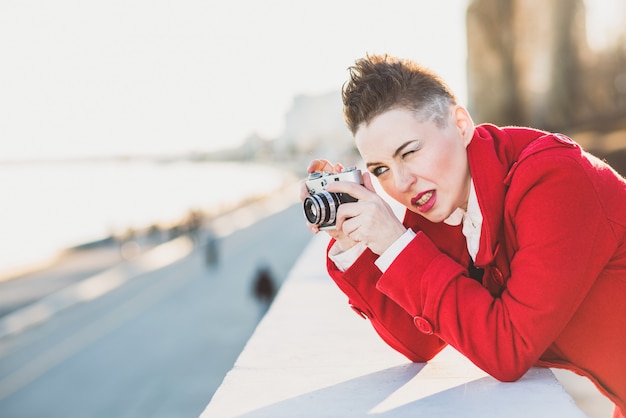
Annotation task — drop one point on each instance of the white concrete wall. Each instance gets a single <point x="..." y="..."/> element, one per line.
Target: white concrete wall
<point x="312" y="356"/>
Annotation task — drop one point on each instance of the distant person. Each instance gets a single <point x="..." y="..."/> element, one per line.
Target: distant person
<point x="193" y="223"/>
<point x="513" y="244"/>
<point x="211" y="249"/>
<point x="263" y="288"/>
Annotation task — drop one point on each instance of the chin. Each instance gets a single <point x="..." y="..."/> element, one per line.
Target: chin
<point x="432" y="216"/>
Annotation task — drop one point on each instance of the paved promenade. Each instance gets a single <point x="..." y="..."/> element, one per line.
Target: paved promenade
<point x="157" y="342"/>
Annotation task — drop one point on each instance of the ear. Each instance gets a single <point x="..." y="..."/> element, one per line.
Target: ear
<point x="464" y="124"/>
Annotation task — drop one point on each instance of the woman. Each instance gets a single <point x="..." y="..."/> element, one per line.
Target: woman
<point x="512" y="249"/>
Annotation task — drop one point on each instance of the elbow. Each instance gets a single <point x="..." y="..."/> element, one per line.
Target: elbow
<point x="510" y="366"/>
<point x="510" y="373"/>
<point x="508" y="369"/>
<point x="508" y="377"/>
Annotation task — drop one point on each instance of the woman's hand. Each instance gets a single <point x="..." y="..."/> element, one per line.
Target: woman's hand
<point x="318" y="165"/>
<point x="370" y="220"/>
<point x="343" y="242"/>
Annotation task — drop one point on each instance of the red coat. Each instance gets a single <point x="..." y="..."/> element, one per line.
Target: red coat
<point x="553" y="251"/>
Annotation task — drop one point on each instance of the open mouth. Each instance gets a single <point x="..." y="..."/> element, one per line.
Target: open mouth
<point x="423" y="198"/>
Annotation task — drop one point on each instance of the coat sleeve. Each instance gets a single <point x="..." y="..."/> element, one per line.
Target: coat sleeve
<point x="562" y="242"/>
<point x="394" y="325"/>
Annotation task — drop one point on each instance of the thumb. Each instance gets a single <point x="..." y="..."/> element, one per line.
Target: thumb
<point x="367" y="182"/>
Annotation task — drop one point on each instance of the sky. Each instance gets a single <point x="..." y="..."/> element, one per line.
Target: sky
<point x="92" y="78"/>
<point x="153" y="77"/>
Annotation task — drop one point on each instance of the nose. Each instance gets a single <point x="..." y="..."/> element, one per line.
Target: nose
<point x="404" y="180"/>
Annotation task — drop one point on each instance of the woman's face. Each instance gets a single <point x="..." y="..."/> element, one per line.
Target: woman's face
<point x="419" y="164"/>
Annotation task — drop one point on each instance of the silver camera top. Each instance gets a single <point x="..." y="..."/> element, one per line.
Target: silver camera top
<point x="318" y="180"/>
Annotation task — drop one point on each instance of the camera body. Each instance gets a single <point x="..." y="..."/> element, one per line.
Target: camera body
<point x="320" y="207"/>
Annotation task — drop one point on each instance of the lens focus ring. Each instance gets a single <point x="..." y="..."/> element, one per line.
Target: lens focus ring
<point x="321" y="209"/>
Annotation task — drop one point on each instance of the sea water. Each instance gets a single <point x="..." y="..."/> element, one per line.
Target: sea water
<point x="49" y="206"/>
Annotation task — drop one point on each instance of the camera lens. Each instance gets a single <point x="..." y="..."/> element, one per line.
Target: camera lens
<point x="321" y="208"/>
<point x="311" y="210"/>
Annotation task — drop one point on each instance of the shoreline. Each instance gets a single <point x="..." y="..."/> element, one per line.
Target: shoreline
<point x="77" y="266"/>
<point x="138" y="239"/>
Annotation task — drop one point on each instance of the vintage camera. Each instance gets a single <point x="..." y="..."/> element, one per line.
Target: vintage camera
<point x="320" y="207"/>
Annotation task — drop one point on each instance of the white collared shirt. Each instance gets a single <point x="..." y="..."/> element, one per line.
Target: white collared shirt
<point x="471" y="218"/>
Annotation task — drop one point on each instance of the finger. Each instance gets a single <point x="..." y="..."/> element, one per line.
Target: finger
<point x="350" y="227"/>
<point x="353" y="189"/>
<point x="345" y="212"/>
<point x="320" y="165"/>
<point x="344" y="242"/>
<point x="314" y="166"/>
<point x="313" y="228"/>
<point x="335" y="233"/>
<point x="367" y="182"/>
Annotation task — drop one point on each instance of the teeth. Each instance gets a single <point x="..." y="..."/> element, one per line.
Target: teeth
<point x="424" y="198"/>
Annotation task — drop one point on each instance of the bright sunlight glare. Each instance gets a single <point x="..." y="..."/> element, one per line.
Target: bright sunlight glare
<point x="169" y="77"/>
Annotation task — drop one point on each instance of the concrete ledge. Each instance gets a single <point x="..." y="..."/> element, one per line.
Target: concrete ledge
<point x="311" y="356"/>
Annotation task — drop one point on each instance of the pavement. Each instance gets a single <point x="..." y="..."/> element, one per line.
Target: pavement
<point x="150" y="340"/>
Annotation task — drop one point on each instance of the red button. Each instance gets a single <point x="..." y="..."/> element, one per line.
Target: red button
<point x="423" y="325"/>
<point x="359" y="312"/>
<point x="497" y="276"/>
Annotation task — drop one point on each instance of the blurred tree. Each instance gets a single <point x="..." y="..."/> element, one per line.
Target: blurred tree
<point x="529" y="63"/>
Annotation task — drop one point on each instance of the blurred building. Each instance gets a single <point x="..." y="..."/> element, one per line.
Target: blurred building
<point x="314" y="128"/>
